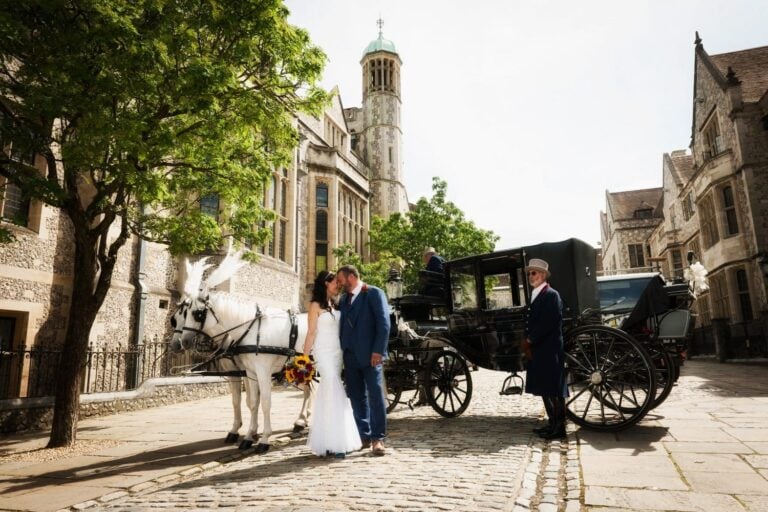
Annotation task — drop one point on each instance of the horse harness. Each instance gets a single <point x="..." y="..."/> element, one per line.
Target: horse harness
<point x="236" y="347"/>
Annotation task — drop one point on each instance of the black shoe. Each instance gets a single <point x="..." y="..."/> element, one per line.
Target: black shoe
<point x="542" y="430"/>
<point x="559" y="433"/>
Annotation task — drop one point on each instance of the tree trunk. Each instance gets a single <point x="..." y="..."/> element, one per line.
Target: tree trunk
<point x="82" y="313"/>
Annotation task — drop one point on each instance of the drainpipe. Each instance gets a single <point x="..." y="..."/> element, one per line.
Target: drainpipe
<point x="141" y="305"/>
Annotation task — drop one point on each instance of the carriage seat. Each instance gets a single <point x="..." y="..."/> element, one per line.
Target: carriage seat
<point x="431" y="283"/>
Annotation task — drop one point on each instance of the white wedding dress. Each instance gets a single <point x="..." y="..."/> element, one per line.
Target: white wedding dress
<point x="333" y="427"/>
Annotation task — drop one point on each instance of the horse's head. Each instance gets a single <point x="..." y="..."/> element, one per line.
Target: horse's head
<point x="199" y="319"/>
<point x="177" y="322"/>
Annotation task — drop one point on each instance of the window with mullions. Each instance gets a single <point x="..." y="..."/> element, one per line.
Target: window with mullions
<point x="731" y="222"/>
<point x="709" y="233"/>
<point x="14" y="207"/>
<point x="636" y="256"/>
<point x="677" y="263"/>
<point x="643" y="213"/>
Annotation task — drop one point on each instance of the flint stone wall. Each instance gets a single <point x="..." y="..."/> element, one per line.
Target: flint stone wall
<point x="29" y="414"/>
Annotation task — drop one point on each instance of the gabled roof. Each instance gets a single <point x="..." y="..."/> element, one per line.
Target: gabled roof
<point x="623" y="205"/>
<point x="751" y="69"/>
<point x="683" y="166"/>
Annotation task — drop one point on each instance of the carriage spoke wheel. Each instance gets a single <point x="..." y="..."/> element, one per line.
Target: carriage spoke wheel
<point x="393" y="398"/>
<point x="449" y="386"/>
<point x="611" y="378"/>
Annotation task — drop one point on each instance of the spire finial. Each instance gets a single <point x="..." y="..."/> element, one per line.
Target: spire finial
<point x="380" y="23"/>
<point x="697" y="41"/>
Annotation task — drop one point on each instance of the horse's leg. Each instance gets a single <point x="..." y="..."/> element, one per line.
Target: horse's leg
<point x="252" y="398"/>
<point x="302" y="421"/>
<point x="265" y="386"/>
<point x="236" y="388"/>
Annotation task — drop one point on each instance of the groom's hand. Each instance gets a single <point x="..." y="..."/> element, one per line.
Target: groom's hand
<point x="376" y="359"/>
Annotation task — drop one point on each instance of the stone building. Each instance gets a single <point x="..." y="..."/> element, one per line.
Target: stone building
<point x="715" y="201"/>
<point x="348" y="166"/>
<point x="625" y="226"/>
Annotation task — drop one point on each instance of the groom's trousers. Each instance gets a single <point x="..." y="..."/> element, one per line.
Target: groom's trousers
<point x="365" y="388"/>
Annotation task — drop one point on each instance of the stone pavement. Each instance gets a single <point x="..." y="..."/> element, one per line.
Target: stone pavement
<point x="173" y="457"/>
<point x="704" y="449"/>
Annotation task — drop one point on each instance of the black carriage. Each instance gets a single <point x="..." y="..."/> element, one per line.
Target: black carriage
<point x="476" y="316"/>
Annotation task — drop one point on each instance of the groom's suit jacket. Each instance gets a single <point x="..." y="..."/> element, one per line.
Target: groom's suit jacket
<point x="364" y="326"/>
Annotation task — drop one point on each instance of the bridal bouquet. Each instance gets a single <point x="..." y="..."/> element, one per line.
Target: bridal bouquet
<point x="300" y="369"/>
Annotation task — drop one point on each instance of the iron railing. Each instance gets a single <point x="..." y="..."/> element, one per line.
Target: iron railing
<point x="33" y="371"/>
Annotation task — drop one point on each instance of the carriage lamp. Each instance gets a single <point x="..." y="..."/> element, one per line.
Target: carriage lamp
<point x="394" y="285"/>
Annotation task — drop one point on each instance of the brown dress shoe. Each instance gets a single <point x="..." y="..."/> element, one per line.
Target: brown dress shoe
<point x="378" y="448"/>
<point x="366" y="444"/>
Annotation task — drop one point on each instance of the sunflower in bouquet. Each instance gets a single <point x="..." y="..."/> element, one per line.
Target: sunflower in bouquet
<point x="300" y="369"/>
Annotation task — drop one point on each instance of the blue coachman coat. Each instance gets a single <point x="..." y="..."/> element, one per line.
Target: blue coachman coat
<point x="364" y="325"/>
<point x="545" y="372"/>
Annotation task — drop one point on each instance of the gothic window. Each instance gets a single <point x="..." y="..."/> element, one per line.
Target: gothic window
<point x="321" y="240"/>
<point x="713" y="143"/>
<point x="693" y="246"/>
<point x="709" y="232"/>
<point x="742" y="288"/>
<point x="321" y="195"/>
<point x="731" y="222"/>
<point x="281" y="248"/>
<point x="636" y="256"/>
<point x="209" y="205"/>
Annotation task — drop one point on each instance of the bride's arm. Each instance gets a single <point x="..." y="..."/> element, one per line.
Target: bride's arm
<point x="314" y="312"/>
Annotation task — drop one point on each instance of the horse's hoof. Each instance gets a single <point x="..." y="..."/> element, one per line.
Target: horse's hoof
<point x="245" y="444"/>
<point x="298" y="428"/>
<point x="262" y="448"/>
<point x="232" y="437"/>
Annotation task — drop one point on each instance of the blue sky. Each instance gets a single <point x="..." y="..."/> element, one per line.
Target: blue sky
<point x="530" y="110"/>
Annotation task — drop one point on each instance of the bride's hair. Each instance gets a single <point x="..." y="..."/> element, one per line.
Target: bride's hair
<point x="319" y="292"/>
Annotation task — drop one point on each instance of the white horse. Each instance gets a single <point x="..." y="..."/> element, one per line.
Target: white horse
<point x="255" y="340"/>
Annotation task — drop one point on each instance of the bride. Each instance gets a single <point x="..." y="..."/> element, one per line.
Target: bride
<point x="333" y="429"/>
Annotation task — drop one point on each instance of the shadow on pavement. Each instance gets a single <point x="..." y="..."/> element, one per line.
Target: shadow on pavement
<point x="179" y="455"/>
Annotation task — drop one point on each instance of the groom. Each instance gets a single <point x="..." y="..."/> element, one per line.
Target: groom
<point x="364" y="333"/>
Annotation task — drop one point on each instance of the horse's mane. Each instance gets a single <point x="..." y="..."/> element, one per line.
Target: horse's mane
<point x="194" y="281"/>
<point x="232" y="311"/>
<point x="226" y="269"/>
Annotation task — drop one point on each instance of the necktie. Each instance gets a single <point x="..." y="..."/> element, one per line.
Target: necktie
<point x="349" y="298"/>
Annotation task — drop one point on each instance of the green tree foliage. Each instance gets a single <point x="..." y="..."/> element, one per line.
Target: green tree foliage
<point x="374" y="272"/>
<point x="140" y="108"/>
<point x="434" y="222"/>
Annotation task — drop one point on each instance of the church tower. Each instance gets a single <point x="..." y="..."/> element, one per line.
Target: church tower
<point x="382" y="137"/>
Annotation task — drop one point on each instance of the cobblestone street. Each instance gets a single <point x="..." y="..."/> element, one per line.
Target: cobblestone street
<point x="474" y="462"/>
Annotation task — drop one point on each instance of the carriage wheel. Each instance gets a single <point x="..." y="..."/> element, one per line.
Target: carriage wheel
<point x="393" y="398"/>
<point x="665" y="373"/>
<point x="449" y="384"/>
<point x="611" y="378"/>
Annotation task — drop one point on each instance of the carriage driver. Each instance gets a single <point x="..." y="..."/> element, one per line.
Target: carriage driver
<point x="544" y="347"/>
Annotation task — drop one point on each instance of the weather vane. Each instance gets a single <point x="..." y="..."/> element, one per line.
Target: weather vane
<point x="380" y="23"/>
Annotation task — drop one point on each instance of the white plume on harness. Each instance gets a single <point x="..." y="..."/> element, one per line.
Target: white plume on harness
<point x="195" y="272"/>
<point x="226" y="269"/>
<point x="696" y="275"/>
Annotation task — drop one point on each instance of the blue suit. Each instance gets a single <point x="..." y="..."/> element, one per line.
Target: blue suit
<point x="364" y="330"/>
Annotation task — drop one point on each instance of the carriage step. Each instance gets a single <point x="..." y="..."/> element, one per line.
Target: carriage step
<point x="512" y="390"/>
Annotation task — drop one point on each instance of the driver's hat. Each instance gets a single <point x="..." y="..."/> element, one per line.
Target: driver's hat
<point x="538" y="264"/>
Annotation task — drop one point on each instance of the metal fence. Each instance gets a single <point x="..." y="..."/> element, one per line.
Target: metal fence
<point x="33" y="371"/>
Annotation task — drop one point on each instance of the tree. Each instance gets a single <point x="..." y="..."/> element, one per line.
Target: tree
<point x="141" y="108"/>
<point x="373" y="272"/>
<point x="434" y="222"/>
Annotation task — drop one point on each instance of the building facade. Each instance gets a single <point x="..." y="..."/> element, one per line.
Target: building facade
<point x="715" y="202"/>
